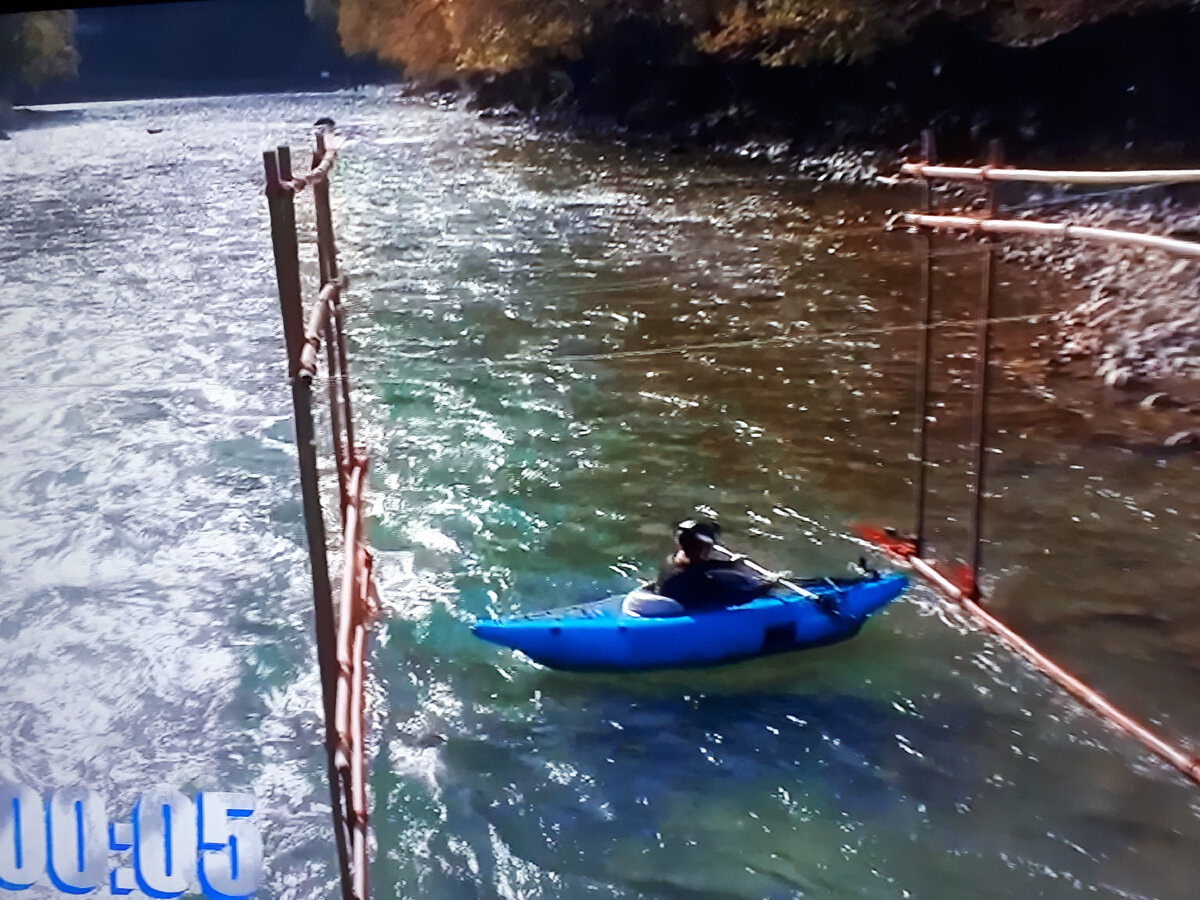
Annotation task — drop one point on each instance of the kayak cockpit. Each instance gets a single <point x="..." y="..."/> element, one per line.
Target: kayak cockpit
<point x="644" y="604"/>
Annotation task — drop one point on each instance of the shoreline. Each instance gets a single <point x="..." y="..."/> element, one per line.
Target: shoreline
<point x="1130" y="318"/>
<point x="1121" y="347"/>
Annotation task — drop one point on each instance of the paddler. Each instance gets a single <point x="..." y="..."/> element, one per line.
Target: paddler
<point x="692" y="581"/>
<point x="696" y="581"/>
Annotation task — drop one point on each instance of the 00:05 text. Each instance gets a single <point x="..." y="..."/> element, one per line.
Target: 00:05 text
<point x="170" y="846"/>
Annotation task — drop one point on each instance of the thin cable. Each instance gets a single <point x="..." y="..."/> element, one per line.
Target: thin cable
<point x="782" y="339"/>
<point x="1091" y="195"/>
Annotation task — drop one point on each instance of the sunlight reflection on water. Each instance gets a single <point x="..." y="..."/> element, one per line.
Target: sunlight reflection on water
<point x="511" y="296"/>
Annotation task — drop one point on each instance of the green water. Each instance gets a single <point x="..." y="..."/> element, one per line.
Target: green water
<point x="533" y="449"/>
<point x="559" y="348"/>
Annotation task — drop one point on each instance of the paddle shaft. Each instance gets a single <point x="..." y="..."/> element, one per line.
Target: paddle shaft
<point x="790" y="585"/>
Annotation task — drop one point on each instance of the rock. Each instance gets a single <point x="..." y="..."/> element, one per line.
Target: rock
<point x="1118" y="377"/>
<point x="1159" y="400"/>
<point x="1183" y="439"/>
<point x="427" y="739"/>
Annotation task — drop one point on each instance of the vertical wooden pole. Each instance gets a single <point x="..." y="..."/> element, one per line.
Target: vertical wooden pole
<point x="327" y="250"/>
<point x="344" y="378"/>
<point x="347" y="798"/>
<point x="280" y="202"/>
<point x="327" y="263"/>
<point x="928" y="152"/>
<point x="325" y="245"/>
<point x="283" y="241"/>
<point x="358" y="759"/>
<point x="341" y="452"/>
<point x="982" y="370"/>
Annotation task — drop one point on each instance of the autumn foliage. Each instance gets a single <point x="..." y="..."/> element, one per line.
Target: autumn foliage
<point x="36" y="47"/>
<point x="437" y="38"/>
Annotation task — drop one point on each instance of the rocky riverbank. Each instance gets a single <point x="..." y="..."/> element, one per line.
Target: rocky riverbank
<point x="1122" y="345"/>
<point x="1114" y="91"/>
<point x="1133" y="319"/>
<point x="1111" y="94"/>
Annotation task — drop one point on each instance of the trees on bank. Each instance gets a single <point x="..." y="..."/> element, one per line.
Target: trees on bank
<point x="36" y="47"/>
<point x="439" y="38"/>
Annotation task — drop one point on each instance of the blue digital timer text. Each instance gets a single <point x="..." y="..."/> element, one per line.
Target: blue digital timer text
<point x="177" y="844"/>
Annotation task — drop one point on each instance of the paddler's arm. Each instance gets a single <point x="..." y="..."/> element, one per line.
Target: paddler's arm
<point x="671" y="566"/>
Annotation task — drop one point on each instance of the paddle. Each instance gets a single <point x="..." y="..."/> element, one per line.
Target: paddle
<point x="826" y="603"/>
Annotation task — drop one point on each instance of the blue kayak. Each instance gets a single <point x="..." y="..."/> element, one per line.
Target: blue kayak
<point x="602" y="636"/>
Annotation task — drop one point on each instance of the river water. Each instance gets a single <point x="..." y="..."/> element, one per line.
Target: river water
<point x="521" y="313"/>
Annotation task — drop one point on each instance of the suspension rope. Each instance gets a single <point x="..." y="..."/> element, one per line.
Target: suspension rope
<point x="735" y="343"/>
<point x="782" y="339"/>
<point x="1077" y="198"/>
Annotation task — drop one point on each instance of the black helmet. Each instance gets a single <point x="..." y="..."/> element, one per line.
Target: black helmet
<point x="702" y="532"/>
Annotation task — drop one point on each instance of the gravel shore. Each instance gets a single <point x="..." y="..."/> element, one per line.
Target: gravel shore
<point x="1139" y="324"/>
<point x="1125" y="319"/>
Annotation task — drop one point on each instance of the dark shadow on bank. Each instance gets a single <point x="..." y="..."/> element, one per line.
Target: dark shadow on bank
<point x="1119" y="90"/>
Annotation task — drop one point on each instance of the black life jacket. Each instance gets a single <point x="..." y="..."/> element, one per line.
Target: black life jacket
<point x="713" y="583"/>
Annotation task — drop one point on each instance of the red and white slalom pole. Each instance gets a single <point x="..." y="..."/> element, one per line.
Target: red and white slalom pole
<point x="904" y="551"/>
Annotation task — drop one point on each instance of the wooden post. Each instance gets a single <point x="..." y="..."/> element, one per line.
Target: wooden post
<point x="984" y="316"/>
<point x="327" y="264"/>
<point x="287" y="253"/>
<point x="339" y="369"/>
<point x="326" y="250"/>
<point x="928" y="150"/>
<point x="344" y="379"/>
<point x="280" y="202"/>
<point x="358" y="771"/>
<point x="337" y="419"/>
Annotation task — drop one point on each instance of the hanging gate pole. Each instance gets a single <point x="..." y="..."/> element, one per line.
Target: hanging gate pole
<point x="339" y="408"/>
<point x="910" y="550"/>
<point x="281" y="202"/>
<point x="927" y="151"/>
<point x="982" y="384"/>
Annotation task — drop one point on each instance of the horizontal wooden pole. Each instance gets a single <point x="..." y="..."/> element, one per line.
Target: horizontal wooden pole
<point x="936" y="578"/>
<point x="1050" y="176"/>
<point x="1184" y="762"/>
<point x="1053" y="230"/>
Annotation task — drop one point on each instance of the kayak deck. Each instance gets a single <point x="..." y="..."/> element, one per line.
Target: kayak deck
<point x="600" y="636"/>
